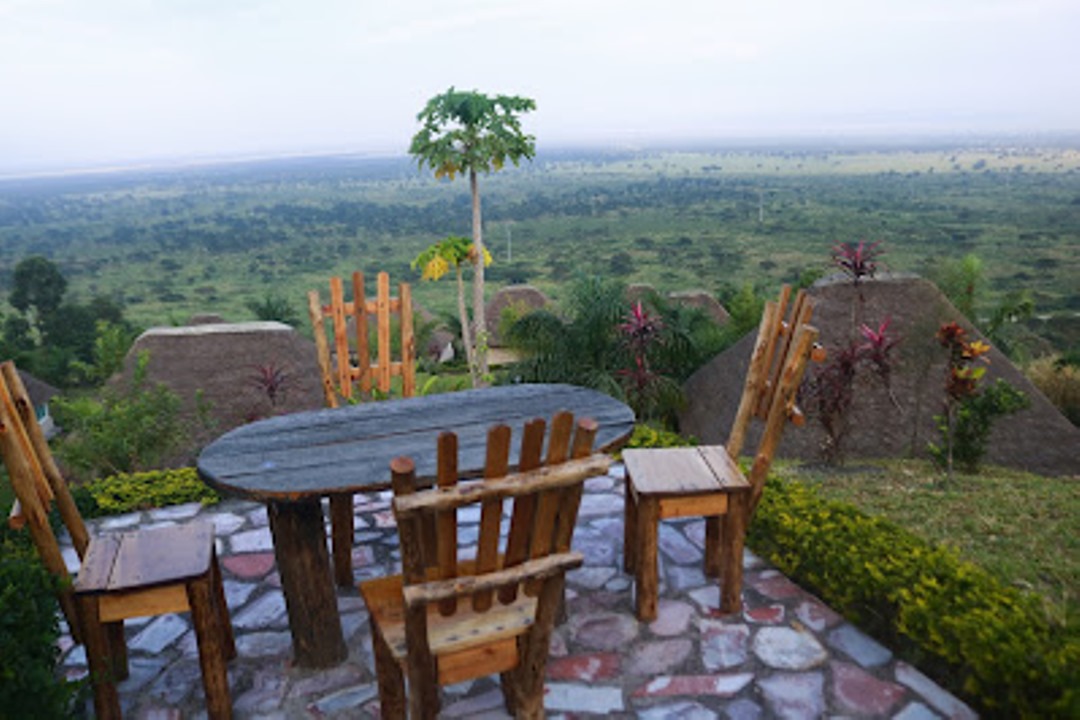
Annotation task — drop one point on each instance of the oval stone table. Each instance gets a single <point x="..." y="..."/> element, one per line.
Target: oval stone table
<point x="291" y="462"/>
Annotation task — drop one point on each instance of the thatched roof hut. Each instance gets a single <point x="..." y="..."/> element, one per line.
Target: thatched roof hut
<point x="223" y="363"/>
<point x="1039" y="439"/>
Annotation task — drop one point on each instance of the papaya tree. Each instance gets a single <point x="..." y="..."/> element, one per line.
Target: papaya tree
<point x="435" y="262"/>
<point x="468" y="132"/>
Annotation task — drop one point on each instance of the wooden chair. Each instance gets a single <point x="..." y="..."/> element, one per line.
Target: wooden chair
<point x="448" y="619"/>
<point x="706" y="481"/>
<point x="349" y="374"/>
<point x="125" y="575"/>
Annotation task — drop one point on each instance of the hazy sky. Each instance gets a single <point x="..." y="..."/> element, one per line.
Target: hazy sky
<point x="97" y="81"/>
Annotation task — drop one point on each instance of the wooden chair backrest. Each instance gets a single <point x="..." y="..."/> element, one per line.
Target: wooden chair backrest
<point x="37" y="482"/>
<point x="785" y="343"/>
<point x="340" y="373"/>
<point x="545" y="494"/>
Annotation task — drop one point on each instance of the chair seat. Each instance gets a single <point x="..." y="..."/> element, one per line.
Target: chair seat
<point x="683" y="471"/>
<point x="466" y="644"/>
<point x="147" y="558"/>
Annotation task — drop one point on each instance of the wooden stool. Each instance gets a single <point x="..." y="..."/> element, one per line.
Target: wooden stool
<point x="684" y="482"/>
<point x="705" y="481"/>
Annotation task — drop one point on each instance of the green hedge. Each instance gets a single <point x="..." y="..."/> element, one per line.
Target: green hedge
<point x="985" y="641"/>
<point x="125" y="492"/>
<point x="29" y="630"/>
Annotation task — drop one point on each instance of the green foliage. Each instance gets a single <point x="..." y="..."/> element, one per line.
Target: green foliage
<point x="745" y="308"/>
<point x="274" y="307"/>
<point x="1059" y="381"/>
<point x="973" y="421"/>
<point x="463" y="131"/>
<point x="650" y="436"/>
<point x="581" y="349"/>
<point x="37" y="284"/>
<point x="29" y="686"/>
<point x="124" y="430"/>
<point x="111" y="345"/>
<point x="962" y="281"/>
<point x="985" y="641"/>
<point x="126" y="492"/>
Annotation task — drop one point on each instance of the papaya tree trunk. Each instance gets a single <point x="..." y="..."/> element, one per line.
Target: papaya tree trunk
<point x="466" y="330"/>
<point x="480" y="334"/>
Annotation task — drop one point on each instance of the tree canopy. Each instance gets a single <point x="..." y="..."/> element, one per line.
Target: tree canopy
<point x="465" y="131"/>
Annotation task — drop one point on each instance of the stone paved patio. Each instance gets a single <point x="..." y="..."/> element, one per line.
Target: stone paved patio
<point x="786" y="656"/>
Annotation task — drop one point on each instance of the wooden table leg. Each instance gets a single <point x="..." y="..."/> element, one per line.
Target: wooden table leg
<point x="342" y="526"/>
<point x="648" y="575"/>
<point x="304" y="563"/>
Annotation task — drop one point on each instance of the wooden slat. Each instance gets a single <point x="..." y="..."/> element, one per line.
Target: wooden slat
<point x="521" y="522"/>
<point x="408" y="342"/>
<point x="436" y="590"/>
<point x="677" y="506"/>
<point x="383" y="331"/>
<point x="322" y="348"/>
<point x="794" y="368"/>
<point x="144" y="602"/>
<point x="487" y="549"/>
<point x="446" y="520"/>
<point x="360" y="315"/>
<point x="755" y="377"/>
<point x="570" y="497"/>
<point x="723" y="467"/>
<point x="341" y="338"/>
<point x="511" y="486"/>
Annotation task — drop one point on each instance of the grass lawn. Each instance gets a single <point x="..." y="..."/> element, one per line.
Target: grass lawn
<point x="1023" y="528"/>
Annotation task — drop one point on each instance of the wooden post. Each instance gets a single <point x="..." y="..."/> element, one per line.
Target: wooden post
<point x="99" y="660"/>
<point x="304" y="564"/>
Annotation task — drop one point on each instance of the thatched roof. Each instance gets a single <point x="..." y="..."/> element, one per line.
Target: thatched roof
<point x="223" y="361"/>
<point x="40" y="392"/>
<point x="1039" y="439"/>
<point x="515" y="297"/>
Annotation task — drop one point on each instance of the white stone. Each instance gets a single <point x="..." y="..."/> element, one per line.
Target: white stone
<point x="583" y="698"/>
<point x="252" y="541"/>
<point x="226" y="523"/>
<point x="684" y="710"/>
<point x="945" y="702"/>
<point x="120" y="522"/>
<point x="794" y="696"/>
<point x="264" y="612"/>
<point x="159" y="634"/>
<point x="859" y="646"/>
<point x="592" y="578"/>
<point x="176" y="512"/>
<point x="784" y="648"/>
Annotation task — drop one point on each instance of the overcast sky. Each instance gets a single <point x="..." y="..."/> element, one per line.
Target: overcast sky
<point x="99" y="81"/>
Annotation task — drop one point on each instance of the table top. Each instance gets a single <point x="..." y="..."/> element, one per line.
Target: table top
<point x="349" y="449"/>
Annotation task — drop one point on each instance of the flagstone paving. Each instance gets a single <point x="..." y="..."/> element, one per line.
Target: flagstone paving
<point x="787" y="655"/>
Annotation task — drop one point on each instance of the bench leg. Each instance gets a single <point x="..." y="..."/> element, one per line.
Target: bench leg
<point x="342" y="525"/>
<point x="630" y="529"/>
<point x="99" y="658"/>
<point x="647" y="587"/>
<point x="213" y="646"/>
<point x="714" y="531"/>
<point x="734" y="540"/>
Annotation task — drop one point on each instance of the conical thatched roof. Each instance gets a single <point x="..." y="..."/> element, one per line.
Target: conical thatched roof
<point x="1039" y="439"/>
<point x="222" y="362"/>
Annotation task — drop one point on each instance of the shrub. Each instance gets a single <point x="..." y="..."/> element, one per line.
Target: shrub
<point x="123" y="431"/>
<point x="126" y="492"/>
<point x="974" y="419"/>
<point x="987" y="642"/>
<point x="28" y="633"/>
<point x="1060" y="383"/>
